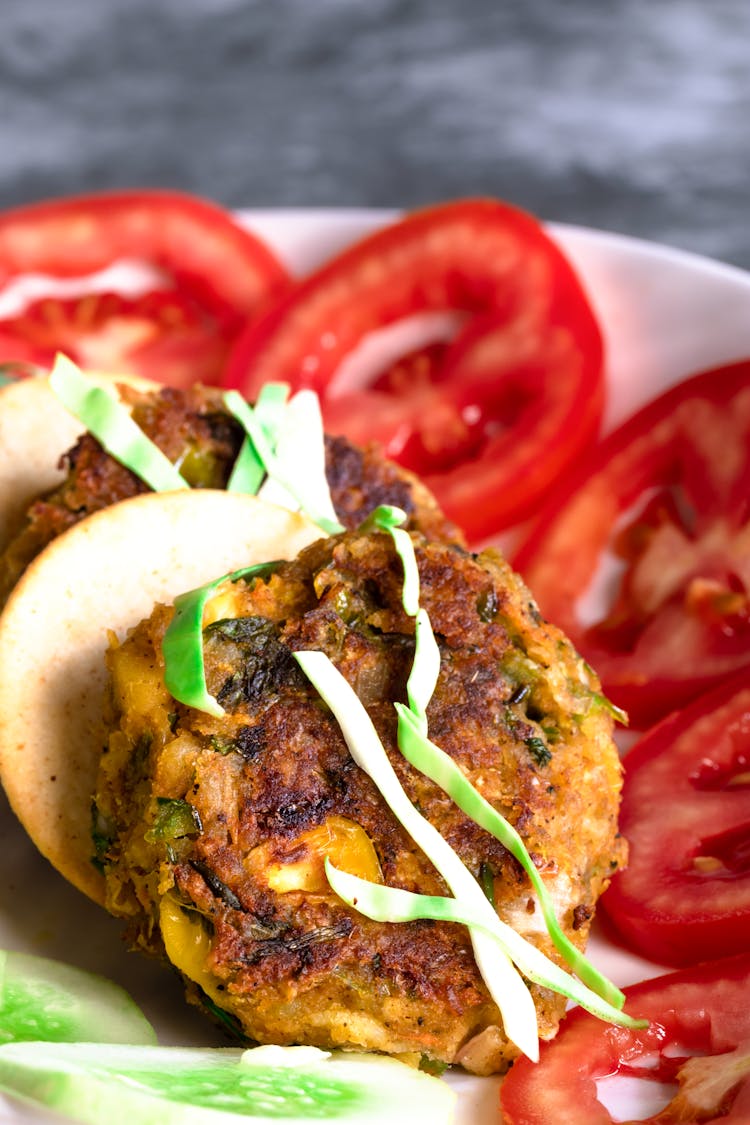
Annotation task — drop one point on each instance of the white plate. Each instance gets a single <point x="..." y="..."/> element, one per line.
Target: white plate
<point x="665" y="315"/>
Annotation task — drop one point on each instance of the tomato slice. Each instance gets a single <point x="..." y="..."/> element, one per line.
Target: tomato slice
<point x="161" y="336"/>
<point x="508" y="405"/>
<point x="643" y="557"/>
<point x="698" y="1036"/>
<point x="685" y="895"/>
<point x="212" y="276"/>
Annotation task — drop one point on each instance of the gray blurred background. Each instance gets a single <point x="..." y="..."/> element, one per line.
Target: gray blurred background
<point x="629" y="115"/>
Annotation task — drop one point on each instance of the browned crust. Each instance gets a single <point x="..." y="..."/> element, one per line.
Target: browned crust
<point x="52" y="483"/>
<point x="292" y="965"/>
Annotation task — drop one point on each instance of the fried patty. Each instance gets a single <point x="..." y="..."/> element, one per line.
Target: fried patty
<point x="212" y="831"/>
<point x="196" y="432"/>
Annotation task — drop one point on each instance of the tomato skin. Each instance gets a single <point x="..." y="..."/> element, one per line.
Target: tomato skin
<point x="531" y="340"/>
<point x="213" y="273"/>
<point x="685" y="895"/>
<point x="677" y="473"/>
<point x="191" y="239"/>
<point x="704" y="1010"/>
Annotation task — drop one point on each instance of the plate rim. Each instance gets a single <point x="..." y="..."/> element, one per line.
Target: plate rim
<point x="609" y="239"/>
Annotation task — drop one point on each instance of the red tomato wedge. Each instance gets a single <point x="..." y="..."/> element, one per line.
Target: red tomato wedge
<point x="510" y="404"/>
<point x="685" y="895"/>
<point x="643" y="557"/>
<point x="698" y="1036"/>
<point x="212" y="276"/>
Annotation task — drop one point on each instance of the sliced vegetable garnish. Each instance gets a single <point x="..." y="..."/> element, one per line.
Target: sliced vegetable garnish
<point x="503" y="982"/>
<point x="426" y="664"/>
<point x="109" y="422"/>
<point x="392" y="904"/>
<point x="275" y="431"/>
<point x="291" y="473"/>
<point x="434" y="763"/>
<point x="182" y="646"/>
<point x="425" y="670"/>
<point x="301" y="458"/>
<point x="57" y="1003"/>
<point x="388" y="518"/>
<point x="382" y="903"/>
<point x="248" y="471"/>
<point x="496" y="944"/>
<point x="179" y="1086"/>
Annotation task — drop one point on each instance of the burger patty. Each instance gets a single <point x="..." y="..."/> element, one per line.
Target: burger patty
<point x="196" y="432"/>
<point x="212" y="832"/>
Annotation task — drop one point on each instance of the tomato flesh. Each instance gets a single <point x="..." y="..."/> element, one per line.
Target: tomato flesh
<point x="685" y="894"/>
<point x="493" y="418"/>
<point x="162" y="336"/>
<point x="663" y="505"/>
<point x="211" y="276"/>
<point x="698" y="1035"/>
<point x="405" y="410"/>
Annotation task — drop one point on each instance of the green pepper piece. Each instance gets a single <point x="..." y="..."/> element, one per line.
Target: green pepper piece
<point x="174" y="820"/>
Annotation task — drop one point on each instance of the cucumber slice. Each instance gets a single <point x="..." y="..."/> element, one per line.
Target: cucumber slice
<point x="41" y="999"/>
<point x="202" y="1086"/>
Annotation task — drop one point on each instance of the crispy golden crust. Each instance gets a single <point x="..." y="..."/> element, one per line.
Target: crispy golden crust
<point x="194" y="430"/>
<point x="514" y="706"/>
